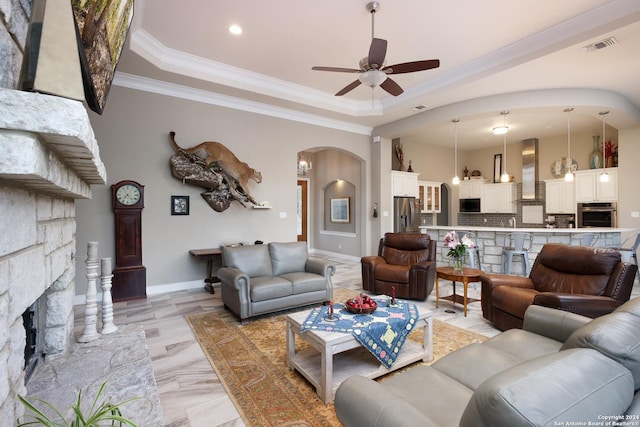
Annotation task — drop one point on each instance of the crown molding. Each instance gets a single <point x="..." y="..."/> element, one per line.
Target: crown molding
<point x="171" y="60"/>
<point x="145" y="84"/>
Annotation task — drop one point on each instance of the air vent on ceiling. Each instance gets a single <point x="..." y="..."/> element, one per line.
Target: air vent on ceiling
<point x="609" y="41"/>
<point x="419" y="107"/>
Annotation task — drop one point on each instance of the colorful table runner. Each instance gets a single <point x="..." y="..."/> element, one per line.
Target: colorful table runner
<point x="382" y="332"/>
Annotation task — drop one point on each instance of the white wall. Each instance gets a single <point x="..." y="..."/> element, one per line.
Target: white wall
<point x="133" y="134"/>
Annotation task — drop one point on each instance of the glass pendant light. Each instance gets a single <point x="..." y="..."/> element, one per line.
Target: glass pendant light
<point x="505" y="176"/>
<point x="569" y="173"/>
<point x="604" y="176"/>
<point x="455" y="180"/>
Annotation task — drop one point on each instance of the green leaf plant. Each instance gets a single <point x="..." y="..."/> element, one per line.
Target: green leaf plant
<point x="99" y="415"/>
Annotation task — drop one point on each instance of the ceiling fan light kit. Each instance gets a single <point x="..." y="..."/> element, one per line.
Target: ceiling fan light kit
<point x="372" y="68"/>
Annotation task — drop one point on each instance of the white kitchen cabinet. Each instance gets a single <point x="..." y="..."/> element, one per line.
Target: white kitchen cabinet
<point x="404" y="184"/>
<point x="471" y="189"/>
<point x="560" y="196"/>
<point x="499" y="198"/>
<point x="589" y="188"/>
<point x="429" y="194"/>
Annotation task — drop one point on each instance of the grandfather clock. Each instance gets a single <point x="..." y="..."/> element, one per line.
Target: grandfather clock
<point x="129" y="275"/>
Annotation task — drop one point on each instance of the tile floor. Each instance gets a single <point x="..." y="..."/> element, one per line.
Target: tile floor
<point x="189" y="391"/>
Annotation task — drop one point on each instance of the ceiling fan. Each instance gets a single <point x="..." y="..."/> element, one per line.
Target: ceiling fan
<point x="373" y="71"/>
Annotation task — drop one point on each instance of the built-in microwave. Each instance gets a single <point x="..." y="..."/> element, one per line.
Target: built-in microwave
<point x="470" y="205"/>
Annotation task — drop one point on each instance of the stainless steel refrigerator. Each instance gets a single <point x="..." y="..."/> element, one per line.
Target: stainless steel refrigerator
<point x="406" y="215"/>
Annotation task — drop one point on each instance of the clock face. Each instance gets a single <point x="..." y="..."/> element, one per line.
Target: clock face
<point x="128" y="194"/>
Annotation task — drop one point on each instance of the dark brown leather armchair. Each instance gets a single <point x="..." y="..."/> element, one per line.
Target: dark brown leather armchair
<point x="579" y="279"/>
<point x="406" y="261"/>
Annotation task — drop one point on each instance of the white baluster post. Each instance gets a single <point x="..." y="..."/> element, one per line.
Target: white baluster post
<point x="108" y="326"/>
<point x="91" y="304"/>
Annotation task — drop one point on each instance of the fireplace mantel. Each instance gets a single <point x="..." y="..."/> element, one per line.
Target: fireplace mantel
<point x="48" y="144"/>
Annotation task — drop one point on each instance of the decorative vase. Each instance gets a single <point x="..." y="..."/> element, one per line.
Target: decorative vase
<point x="595" y="158"/>
<point x="609" y="162"/>
<point x="457" y="265"/>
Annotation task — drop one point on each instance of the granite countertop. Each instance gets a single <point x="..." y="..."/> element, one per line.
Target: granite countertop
<point x="527" y="230"/>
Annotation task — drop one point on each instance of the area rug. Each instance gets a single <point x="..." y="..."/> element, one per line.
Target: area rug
<point x="250" y="361"/>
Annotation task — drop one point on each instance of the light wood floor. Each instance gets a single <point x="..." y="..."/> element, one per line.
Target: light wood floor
<point x="189" y="390"/>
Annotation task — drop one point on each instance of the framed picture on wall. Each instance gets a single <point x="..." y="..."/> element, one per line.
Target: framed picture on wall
<point x="179" y="205"/>
<point x="340" y="210"/>
<point x="497" y="167"/>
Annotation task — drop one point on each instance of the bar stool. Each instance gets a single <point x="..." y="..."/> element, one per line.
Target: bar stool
<point x="519" y="244"/>
<point x="474" y="253"/>
<point x="585" y="239"/>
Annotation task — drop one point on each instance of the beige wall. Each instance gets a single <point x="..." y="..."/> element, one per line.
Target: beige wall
<point x="629" y="178"/>
<point x="133" y="135"/>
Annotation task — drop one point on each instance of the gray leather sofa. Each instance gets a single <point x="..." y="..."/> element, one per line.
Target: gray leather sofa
<point x="561" y="367"/>
<point x="259" y="279"/>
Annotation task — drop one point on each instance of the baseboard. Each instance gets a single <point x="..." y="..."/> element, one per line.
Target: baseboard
<point x="152" y="290"/>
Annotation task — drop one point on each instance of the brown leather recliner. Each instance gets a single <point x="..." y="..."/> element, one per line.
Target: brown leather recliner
<point x="579" y="279"/>
<point x="406" y="261"/>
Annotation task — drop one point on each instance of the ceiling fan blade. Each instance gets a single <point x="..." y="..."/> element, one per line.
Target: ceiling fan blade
<point x="349" y="88"/>
<point x="410" y="67"/>
<point x="392" y="87"/>
<point x="337" y="69"/>
<point x="377" y="53"/>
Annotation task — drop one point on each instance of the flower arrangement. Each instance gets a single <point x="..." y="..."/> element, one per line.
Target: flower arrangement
<point x="610" y="152"/>
<point x="457" y="248"/>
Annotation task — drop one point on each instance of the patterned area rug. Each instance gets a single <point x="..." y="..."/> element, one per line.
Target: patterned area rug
<point x="251" y="363"/>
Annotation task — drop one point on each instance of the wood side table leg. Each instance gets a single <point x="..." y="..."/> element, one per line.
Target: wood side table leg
<point x="465" y="282"/>
<point x="437" y="290"/>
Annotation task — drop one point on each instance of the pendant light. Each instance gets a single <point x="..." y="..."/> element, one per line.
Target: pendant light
<point x="455" y="180"/>
<point x="604" y="176"/>
<point x="568" y="176"/>
<point x="505" y="175"/>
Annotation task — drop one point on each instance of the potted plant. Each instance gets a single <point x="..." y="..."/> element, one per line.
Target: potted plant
<point x="99" y="414"/>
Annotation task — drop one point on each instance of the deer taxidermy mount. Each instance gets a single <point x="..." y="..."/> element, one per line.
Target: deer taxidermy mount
<point x="213" y="166"/>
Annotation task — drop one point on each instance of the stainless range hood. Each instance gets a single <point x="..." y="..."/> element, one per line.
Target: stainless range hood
<point x="529" y="169"/>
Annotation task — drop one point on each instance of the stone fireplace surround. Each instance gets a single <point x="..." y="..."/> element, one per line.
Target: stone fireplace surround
<point x="48" y="158"/>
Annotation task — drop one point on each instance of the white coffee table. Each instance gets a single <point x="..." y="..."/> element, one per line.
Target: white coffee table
<point x="336" y="356"/>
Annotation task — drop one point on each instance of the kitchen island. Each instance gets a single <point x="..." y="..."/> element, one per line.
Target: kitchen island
<point x="491" y="240"/>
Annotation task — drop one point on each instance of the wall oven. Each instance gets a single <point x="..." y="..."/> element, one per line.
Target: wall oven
<point x="597" y="215"/>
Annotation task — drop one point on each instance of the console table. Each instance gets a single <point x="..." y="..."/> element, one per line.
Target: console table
<point x="209" y="255"/>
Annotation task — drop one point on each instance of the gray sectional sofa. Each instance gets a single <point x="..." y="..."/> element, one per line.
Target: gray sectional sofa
<point x="561" y="368"/>
<point x="259" y="279"/>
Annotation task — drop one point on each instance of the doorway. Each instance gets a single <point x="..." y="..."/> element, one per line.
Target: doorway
<point x="443" y="217"/>
<point x="302" y="210"/>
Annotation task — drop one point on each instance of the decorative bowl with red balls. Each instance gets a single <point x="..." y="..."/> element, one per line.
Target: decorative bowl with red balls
<point x="363" y="304"/>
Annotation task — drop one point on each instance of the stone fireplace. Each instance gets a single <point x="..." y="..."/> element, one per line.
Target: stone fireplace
<point x="48" y="158"/>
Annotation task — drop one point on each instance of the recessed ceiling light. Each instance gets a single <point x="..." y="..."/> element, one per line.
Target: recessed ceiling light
<point x="235" y="29"/>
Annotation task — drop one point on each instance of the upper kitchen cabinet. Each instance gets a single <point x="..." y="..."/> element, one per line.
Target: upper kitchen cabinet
<point x="404" y="184"/>
<point x="429" y="194"/>
<point x="589" y="188"/>
<point x="560" y="196"/>
<point x="499" y="198"/>
<point x="471" y="189"/>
